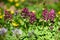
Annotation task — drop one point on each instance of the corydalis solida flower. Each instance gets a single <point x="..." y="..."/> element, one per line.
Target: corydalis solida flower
<point x="25" y="11"/>
<point x="32" y="17"/>
<point x="48" y="15"/>
<point x="45" y="14"/>
<point x="7" y="15"/>
<point x="51" y="14"/>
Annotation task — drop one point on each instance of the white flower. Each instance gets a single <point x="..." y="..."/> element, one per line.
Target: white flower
<point x="17" y="32"/>
<point x="3" y="31"/>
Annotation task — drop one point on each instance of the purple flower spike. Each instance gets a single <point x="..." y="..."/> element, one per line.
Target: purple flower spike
<point x="32" y="17"/>
<point x="45" y="14"/>
<point x="27" y="14"/>
<point x="7" y="15"/>
<point x="6" y="12"/>
<point x="48" y="15"/>
<point x="52" y="15"/>
<point x="25" y="10"/>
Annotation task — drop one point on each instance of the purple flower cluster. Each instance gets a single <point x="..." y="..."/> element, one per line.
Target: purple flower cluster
<point x="52" y="15"/>
<point x="32" y="17"/>
<point x="48" y="15"/>
<point x="26" y="13"/>
<point x="7" y="15"/>
<point x="45" y="14"/>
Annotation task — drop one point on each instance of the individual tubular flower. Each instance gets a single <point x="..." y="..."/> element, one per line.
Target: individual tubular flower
<point x="3" y="31"/>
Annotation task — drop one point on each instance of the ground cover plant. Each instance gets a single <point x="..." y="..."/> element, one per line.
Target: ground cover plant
<point x="29" y="20"/>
